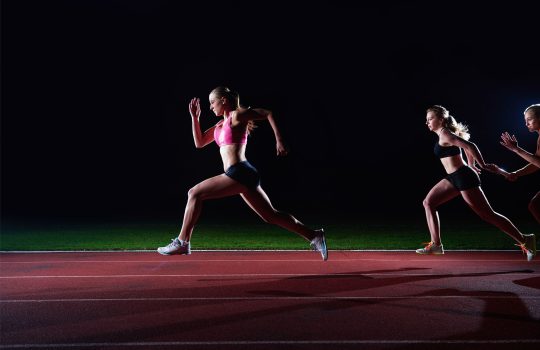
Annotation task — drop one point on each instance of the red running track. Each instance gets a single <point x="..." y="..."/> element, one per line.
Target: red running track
<point x="269" y="300"/>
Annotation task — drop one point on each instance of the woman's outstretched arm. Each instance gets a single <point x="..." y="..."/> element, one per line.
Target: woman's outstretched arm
<point x="510" y="142"/>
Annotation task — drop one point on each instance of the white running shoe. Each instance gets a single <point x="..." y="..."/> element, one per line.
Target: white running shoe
<point x="431" y="248"/>
<point x="529" y="246"/>
<point x="319" y="244"/>
<point x="176" y="247"/>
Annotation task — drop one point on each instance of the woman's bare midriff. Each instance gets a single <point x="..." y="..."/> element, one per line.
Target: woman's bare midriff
<point x="452" y="163"/>
<point x="232" y="154"/>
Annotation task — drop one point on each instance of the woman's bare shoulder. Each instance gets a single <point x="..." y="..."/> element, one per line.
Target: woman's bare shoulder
<point x="446" y="133"/>
<point x="246" y="114"/>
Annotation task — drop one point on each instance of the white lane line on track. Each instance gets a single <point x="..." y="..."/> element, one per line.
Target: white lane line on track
<point x="249" y="251"/>
<point x="183" y="261"/>
<point x="308" y="298"/>
<point x="275" y="342"/>
<point x="318" y="261"/>
<point x="464" y="274"/>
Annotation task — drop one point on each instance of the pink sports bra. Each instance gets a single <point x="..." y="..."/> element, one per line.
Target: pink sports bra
<point x="225" y="135"/>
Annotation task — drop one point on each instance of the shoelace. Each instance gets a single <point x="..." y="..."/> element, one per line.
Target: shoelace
<point x="524" y="250"/>
<point x="429" y="244"/>
<point x="172" y="244"/>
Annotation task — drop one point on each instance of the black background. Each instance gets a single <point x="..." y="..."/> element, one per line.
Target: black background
<point x="95" y="94"/>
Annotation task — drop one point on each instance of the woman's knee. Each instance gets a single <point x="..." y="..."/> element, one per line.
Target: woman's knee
<point x="487" y="215"/>
<point x="428" y="203"/>
<point x="195" y="193"/>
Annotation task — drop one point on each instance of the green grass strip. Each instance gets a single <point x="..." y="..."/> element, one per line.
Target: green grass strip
<point x="149" y="236"/>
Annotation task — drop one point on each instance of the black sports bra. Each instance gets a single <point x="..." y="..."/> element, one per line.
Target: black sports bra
<point x="445" y="151"/>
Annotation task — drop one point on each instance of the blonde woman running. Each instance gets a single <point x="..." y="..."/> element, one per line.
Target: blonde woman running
<point x="239" y="177"/>
<point x="462" y="179"/>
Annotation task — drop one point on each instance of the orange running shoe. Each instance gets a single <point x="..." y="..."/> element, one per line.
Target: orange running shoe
<point x="431" y="248"/>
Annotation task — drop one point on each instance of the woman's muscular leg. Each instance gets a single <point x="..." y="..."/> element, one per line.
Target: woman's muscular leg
<point x="478" y="202"/>
<point x="214" y="187"/>
<point x="441" y="193"/>
<point x="258" y="200"/>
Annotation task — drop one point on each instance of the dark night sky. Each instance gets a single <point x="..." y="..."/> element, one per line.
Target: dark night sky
<point x="95" y="94"/>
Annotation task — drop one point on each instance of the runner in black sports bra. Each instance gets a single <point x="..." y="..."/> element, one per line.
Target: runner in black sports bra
<point x="462" y="180"/>
<point x="445" y="151"/>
